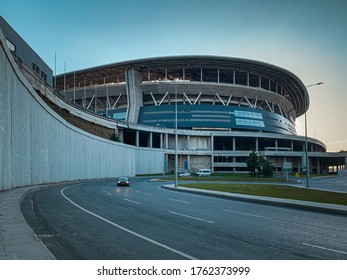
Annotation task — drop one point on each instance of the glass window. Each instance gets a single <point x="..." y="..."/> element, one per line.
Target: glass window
<point x="226" y="76"/>
<point x="210" y="75"/>
<point x="273" y="86"/>
<point x="253" y="80"/>
<point x="241" y="78"/>
<point x="264" y="83"/>
<point x="36" y="68"/>
<point x="193" y="74"/>
<point x="247" y="122"/>
<point x="245" y="114"/>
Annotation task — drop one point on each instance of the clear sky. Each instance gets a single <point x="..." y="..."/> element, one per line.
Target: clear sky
<point x="308" y="38"/>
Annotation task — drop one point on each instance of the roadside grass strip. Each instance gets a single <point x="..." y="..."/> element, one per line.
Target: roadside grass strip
<point x="279" y="191"/>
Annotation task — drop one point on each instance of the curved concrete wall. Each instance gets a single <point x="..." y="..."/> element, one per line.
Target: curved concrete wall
<point x="38" y="146"/>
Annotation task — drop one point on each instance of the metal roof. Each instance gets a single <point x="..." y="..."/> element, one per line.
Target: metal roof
<point x="293" y="85"/>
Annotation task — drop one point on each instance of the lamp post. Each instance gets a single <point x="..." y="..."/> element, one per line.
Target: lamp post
<point x="176" y="138"/>
<point x="306" y="142"/>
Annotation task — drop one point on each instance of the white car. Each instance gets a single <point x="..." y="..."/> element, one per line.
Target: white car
<point x="203" y="172"/>
<point x="184" y="174"/>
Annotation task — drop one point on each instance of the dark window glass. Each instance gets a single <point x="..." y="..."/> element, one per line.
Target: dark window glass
<point x="273" y="86"/>
<point x="226" y="76"/>
<point x="241" y="78"/>
<point x="264" y="83"/>
<point x="253" y="80"/>
<point x="193" y="74"/>
<point x="210" y="75"/>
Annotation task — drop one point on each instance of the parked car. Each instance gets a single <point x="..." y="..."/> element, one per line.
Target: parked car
<point x="203" y="172"/>
<point x="184" y="174"/>
<point x="123" y="181"/>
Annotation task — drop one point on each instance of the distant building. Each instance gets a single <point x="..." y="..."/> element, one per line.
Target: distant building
<point x="25" y="56"/>
<point x="226" y="108"/>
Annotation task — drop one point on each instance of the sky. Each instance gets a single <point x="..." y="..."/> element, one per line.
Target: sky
<point x="308" y="38"/>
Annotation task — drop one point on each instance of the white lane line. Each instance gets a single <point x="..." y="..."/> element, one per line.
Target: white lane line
<point x="323" y="248"/>
<point x="177" y="200"/>
<point x="109" y="193"/>
<point x="128" y="230"/>
<point x="191" y="217"/>
<point x="147" y="193"/>
<point x="241" y="213"/>
<point x="132" y="201"/>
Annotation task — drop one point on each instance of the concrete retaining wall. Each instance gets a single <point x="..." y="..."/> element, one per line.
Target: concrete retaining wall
<point x="38" y="146"/>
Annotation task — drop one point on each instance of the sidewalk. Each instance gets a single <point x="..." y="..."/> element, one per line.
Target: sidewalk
<point x="299" y="204"/>
<point x="17" y="240"/>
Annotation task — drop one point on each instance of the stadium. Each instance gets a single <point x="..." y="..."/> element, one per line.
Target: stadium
<point x="219" y="108"/>
<point x="226" y="108"/>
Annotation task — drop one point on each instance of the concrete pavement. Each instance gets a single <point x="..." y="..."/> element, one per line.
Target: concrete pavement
<point x="18" y="241"/>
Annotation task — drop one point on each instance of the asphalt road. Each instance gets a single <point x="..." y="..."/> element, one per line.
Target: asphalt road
<point x="333" y="183"/>
<point x="97" y="220"/>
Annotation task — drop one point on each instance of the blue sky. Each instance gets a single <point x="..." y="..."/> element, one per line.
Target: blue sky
<point x="308" y="38"/>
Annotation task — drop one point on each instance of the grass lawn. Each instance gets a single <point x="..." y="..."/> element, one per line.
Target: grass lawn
<point x="275" y="191"/>
<point x="230" y="177"/>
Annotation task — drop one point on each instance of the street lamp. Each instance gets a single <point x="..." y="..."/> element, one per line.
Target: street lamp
<point x="306" y="142"/>
<point x="176" y="138"/>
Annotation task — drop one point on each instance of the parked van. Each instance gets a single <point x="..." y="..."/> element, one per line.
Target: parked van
<point x="203" y="172"/>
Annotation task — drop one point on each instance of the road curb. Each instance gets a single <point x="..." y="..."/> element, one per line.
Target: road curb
<point x="297" y="204"/>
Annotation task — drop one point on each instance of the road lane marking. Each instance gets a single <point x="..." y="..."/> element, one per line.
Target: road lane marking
<point x="128" y="230"/>
<point x="109" y="193"/>
<point x="331" y="187"/>
<point x="147" y="193"/>
<point x="191" y="217"/>
<point x="324" y="248"/>
<point x="132" y="201"/>
<point x="177" y="200"/>
<point x="241" y="213"/>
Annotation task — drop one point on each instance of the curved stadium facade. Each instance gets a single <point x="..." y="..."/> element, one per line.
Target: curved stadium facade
<point x="226" y="108"/>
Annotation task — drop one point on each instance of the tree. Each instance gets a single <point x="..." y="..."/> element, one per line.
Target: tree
<point x="252" y="162"/>
<point x="267" y="169"/>
<point x="256" y="163"/>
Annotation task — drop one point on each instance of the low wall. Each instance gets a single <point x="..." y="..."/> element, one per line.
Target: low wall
<point x="38" y="146"/>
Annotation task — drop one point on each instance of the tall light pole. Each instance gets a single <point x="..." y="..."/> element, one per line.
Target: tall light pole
<point x="176" y="138"/>
<point x="306" y="142"/>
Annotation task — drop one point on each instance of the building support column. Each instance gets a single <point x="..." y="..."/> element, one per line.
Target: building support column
<point x="161" y="141"/>
<point x="134" y="94"/>
<point x="166" y="141"/>
<point x="137" y="138"/>
<point x="151" y="139"/>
